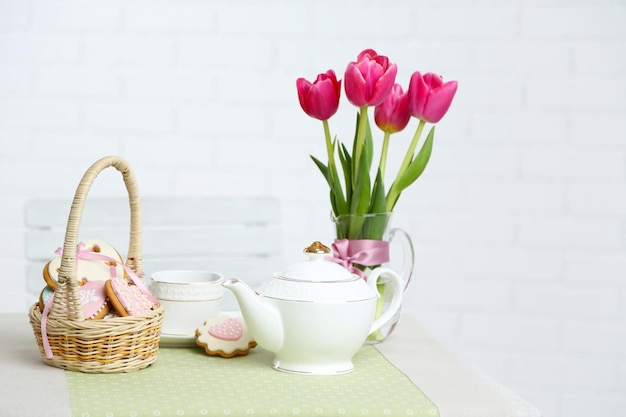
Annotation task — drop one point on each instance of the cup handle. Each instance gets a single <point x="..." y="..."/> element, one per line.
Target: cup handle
<point x="408" y="254"/>
<point x="397" y="285"/>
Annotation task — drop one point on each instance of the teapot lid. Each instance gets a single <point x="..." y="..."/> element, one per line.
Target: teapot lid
<point x="317" y="268"/>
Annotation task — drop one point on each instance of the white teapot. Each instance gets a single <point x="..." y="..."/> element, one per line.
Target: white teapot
<point x="315" y="315"/>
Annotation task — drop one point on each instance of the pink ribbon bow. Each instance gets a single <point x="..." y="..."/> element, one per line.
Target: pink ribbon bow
<point x="367" y="252"/>
<point x="85" y="253"/>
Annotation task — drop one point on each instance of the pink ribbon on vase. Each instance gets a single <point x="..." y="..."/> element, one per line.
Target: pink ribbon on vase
<point x="85" y="253"/>
<point x="366" y="252"/>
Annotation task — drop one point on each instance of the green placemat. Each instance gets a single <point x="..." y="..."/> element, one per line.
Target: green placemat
<point x="187" y="382"/>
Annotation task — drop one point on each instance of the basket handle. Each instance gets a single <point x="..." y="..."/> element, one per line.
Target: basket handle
<point x="67" y="301"/>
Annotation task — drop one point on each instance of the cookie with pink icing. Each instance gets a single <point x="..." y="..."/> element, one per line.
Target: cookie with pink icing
<point x="93" y="298"/>
<point x="225" y="336"/>
<point x="127" y="298"/>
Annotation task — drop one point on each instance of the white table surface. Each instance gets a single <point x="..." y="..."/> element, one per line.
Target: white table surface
<point x="28" y="387"/>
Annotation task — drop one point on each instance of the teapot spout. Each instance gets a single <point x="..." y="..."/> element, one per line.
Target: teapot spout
<point x="263" y="320"/>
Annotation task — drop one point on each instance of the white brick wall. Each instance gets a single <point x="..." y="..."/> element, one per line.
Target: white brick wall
<point x="519" y="222"/>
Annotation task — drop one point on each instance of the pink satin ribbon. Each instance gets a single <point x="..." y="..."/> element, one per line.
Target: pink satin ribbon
<point x="366" y="252"/>
<point x="85" y="253"/>
<point x="44" y="322"/>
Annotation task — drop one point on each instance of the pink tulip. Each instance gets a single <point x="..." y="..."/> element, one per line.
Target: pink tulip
<point x="429" y="96"/>
<point x="320" y="99"/>
<point x="392" y="115"/>
<point x="368" y="81"/>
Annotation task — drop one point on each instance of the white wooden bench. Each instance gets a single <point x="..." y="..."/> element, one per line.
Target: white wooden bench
<point x="236" y="236"/>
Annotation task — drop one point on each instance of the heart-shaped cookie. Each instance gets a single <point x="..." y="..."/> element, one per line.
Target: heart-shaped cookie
<point x="128" y="299"/>
<point x="225" y="336"/>
<point x="230" y="329"/>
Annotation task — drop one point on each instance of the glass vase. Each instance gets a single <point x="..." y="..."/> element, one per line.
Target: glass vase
<point x="401" y="259"/>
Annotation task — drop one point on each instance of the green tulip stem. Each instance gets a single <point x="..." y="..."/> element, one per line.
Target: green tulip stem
<point x="383" y="155"/>
<point x="359" y="141"/>
<point x="394" y="193"/>
<point x="329" y="144"/>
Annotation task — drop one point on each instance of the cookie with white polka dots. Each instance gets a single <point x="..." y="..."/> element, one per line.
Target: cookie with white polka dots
<point x="225" y="336"/>
<point x="128" y="299"/>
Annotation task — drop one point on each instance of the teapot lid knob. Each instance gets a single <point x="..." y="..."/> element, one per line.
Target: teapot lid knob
<point x="317" y="268"/>
<point x="317" y="247"/>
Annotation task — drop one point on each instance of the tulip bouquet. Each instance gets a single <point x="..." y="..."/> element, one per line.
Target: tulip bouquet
<point x="370" y="82"/>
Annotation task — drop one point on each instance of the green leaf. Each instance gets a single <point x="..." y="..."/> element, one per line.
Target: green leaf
<point x="375" y="226"/>
<point x="361" y="193"/>
<point x="346" y="164"/>
<point x="340" y="200"/>
<point x="368" y="147"/>
<point x="337" y="198"/>
<point x="360" y="200"/>
<point x="367" y="151"/>
<point x="340" y="206"/>
<point x="333" y="201"/>
<point x="378" y="203"/>
<point x="345" y="159"/>
<point x="356" y="131"/>
<point x="417" y="165"/>
<point x="323" y="168"/>
<point x="360" y="196"/>
<point x="359" y="205"/>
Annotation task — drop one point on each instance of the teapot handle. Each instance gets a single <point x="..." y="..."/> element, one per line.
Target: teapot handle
<point x="397" y="285"/>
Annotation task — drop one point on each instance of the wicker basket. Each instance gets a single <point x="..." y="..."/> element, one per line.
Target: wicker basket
<point x="119" y="344"/>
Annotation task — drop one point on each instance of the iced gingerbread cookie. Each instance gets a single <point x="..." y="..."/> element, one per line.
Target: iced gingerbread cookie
<point x="88" y="269"/>
<point x="92" y="297"/>
<point x="225" y="336"/>
<point x="129" y="299"/>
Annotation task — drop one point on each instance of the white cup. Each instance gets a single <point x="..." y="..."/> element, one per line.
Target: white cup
<point x="188" y="297"/>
